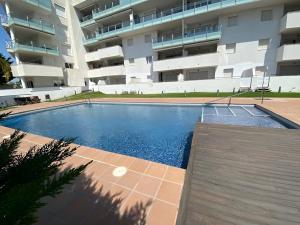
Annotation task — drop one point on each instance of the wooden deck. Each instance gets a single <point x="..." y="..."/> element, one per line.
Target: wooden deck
<point x="242" y="176"/>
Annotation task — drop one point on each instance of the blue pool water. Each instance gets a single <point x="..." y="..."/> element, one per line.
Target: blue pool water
<point x="160" y="133"/>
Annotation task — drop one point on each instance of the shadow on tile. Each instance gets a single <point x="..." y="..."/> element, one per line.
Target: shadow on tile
<point x="88" y="201"/>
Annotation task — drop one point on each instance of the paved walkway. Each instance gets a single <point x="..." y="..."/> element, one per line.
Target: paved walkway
<point x="242" y="176"/>
<point x="148" y="189"/>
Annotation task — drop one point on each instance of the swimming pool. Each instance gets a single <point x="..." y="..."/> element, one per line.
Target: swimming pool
<point x="160" y="133"/>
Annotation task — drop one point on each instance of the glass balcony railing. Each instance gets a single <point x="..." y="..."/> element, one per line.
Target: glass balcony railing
<point x="108" y="10"/>
<point x="165" y="16"/>
<point x="39" y="25"/>
<point x="45" y="4"/>
<point x="203" y="33"/>
<point x="107" y="31"/>
<point x="32" y="47"/>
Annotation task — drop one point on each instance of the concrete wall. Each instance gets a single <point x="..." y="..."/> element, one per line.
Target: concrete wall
<point x="107" y="71"/>
<point x="287" y="84"/>
<point x="290" y="21"/>
<point x="7" y="96"/>
<point x="288" y="53"/>
<point x="138" y="51"/>
<point x="246" y="35"/>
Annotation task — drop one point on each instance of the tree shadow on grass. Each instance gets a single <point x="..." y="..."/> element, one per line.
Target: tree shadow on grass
<point x="86" y="203"/>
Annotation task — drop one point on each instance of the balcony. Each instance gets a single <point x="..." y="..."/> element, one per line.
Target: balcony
<point x="288" y="53"/>
<point x="107" y="71"/>
<point x="42" y="4"/>
<point x="290" y="22"/>
<point x="164" y="17"/>
<point x="187" y="62"/>
<point x="108" y="10"/>
<point x="104" y="53"/>
<point x="38" y="25"/>
<point x="205" y="33"/>
<point x="32" y="47"/>
<point x="35" y="70"/>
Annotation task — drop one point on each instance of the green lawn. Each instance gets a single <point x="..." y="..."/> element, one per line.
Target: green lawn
<point x="6" y="108"/>
<point x="90" y="95"/>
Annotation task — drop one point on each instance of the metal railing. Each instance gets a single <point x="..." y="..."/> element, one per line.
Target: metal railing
<point x="108" y="9"/>
<point x="40" y="25"/>
<point x="229" y="97"/>
<point x="33" y="47"/>
<point x="161" y="17"/>
<point x="46" y="4"/>
<point x="203" y="32"/>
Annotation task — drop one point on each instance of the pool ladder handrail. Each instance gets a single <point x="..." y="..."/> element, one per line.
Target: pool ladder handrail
<point x="230" y="98"/>
<point x="88" y="100"/>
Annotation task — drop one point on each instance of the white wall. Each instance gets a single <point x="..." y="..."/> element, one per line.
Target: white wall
<point x="139" y="51"/>
<point x="290" y="21"/>
<point x="287" y="84"/>
<point x="288" y="53"/>
<point x="246" y="34"/>
<point x="7" y="96"/>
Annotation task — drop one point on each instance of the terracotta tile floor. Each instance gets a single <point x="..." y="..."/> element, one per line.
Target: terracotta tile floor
<point x="145" y="188"/>
<point x="148" y="191"/>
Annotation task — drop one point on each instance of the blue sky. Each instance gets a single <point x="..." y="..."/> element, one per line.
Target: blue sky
<point x="3" y="37"/>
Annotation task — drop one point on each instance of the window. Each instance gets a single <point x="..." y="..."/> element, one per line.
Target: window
<point x="130" y="42"/>
<point x="148" y="38"/>
<point x="131" y="60"/>
<point x="66" y="49"/>
<point x="62" y="32"/>
<point x="149" y="59"/>
<point x="260" y="71"/>
<point x="263" y="44"/>
<point x="228" y="73"/>
<point x="60" y="11"/>
<point x="232" y="21"/>
<point x="231" y="48"/>
<point x="69" y="65"/>
<point x="266" y="15"/>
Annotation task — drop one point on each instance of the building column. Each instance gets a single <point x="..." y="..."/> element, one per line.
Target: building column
<point x="131" y="18"/>
<point x="12" y="36"/>
<point x="11" y="31"/>
<point x="7" y="9"/>
<point x="23" y="82"/>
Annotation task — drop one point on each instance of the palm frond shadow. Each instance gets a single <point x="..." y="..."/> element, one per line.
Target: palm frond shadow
<point x="85" y="202"/>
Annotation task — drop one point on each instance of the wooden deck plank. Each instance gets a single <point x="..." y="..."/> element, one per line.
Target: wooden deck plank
<point x="242" y="176"/>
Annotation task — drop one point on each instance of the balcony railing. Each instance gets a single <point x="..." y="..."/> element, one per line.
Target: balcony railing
<point x="288" y="52"/>
<point x="36" y="70"/>
<point x="118" y="70"/>
<point x="163" y="17"/>
<point x="39" y="25"/>
<point x="187" y="62"/>
<point x="108" y="10"/>
<point x="45" y="4"/>
<point x="32" y="47"/>
<point x="290" y="21"/>
<point x="108" y="31"/>
<point x="203" y="33"/>
<point x="104" y="53"/>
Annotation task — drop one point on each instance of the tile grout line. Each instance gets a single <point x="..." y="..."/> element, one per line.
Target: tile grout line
<point x="150" y="196"/>
<point x="98" y="161"/>
<point x="132" y="190"/>
<point x="157" y="191"/>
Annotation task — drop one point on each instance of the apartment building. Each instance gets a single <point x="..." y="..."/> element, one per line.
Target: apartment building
<point x="123" y="42"/>
<point x="41" y="43"/>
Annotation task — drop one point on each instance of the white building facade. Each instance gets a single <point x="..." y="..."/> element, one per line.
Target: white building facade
<point x="155" y="46"/>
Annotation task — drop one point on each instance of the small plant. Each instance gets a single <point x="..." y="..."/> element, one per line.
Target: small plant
<point x="26" y="178"/>
<point x="5" y="69"/>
